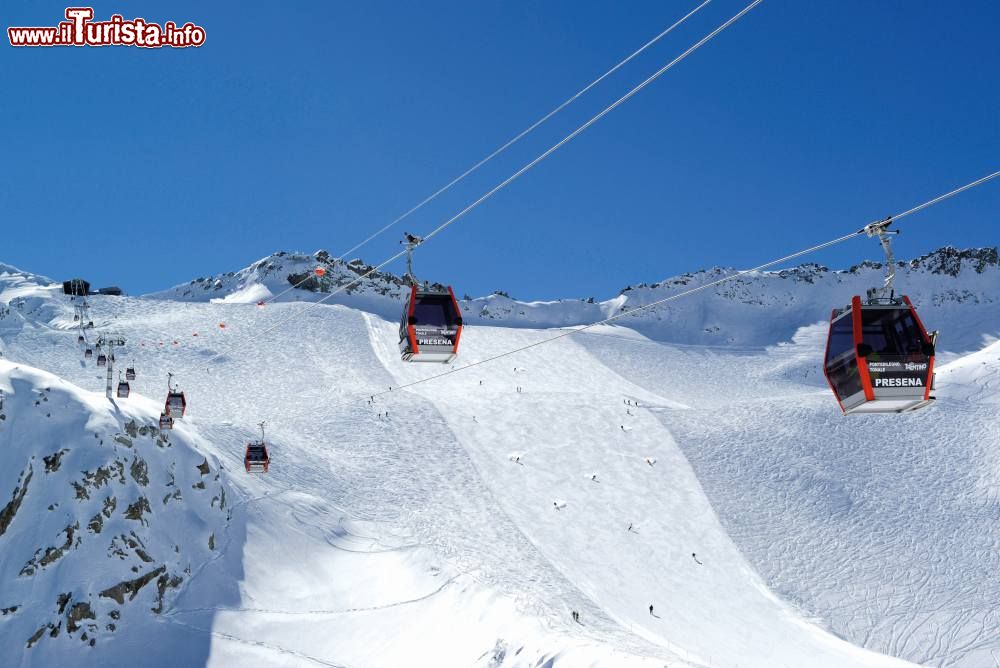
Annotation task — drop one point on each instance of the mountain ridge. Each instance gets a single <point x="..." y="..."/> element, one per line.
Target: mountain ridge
<point x="772" y="304"/>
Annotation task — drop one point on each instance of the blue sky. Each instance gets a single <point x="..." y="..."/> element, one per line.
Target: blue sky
<point x="307" y="125"/>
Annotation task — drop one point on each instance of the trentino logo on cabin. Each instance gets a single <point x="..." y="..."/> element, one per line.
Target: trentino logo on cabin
<point x="79" y="29"/>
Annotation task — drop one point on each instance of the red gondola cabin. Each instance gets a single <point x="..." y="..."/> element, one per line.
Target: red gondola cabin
<point x="879" y="358"/>
<point x="256" y="459"/>
<point x="431" y="326"/>
<point x="175" y="405"/>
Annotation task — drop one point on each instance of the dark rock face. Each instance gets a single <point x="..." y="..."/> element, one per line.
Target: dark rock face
<point x="950" y="260"/>
<point x="10" y="510"/>
<point x="52" y="554"/>
<point x="140" y="471"/>
<point x="53" y="461"/>
<point x="165" y="582"/>
<point x="131" y="588"/>
<point x="309" y="282"/>
<point x="78" y="613"/>
<point x="138" y="509"/>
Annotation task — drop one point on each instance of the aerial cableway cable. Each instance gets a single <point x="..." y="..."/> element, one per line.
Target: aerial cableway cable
<point x="513" y="177"/>
<point x="521" y="135"/>
<point x="863" y="231"/>
<point x="528" y="130"/>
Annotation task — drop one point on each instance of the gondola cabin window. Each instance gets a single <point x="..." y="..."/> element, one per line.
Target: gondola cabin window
<point x="891" y="332"/>
<point x="434" y="311"/>
<point x="841" y="363"/>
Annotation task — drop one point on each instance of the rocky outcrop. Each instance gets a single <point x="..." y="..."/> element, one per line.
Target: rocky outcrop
<point x="53" y="554"/>
<point x="10" y="510"/>
<point x="950" y="260"/>
<point x="131" y="588"/>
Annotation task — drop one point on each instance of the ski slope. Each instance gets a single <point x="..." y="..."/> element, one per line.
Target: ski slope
<point x="465" y="526"/>
<point x="884" y="528"/>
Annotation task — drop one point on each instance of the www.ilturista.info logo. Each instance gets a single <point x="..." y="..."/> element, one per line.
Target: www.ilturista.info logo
<point x="81" y="30"/>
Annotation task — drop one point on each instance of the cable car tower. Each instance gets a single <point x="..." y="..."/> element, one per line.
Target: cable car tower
<point x="879" y="358"/>
<point x="108" y="343"/>
<point x="80" y="316"/>
<point x="431" y="324"/>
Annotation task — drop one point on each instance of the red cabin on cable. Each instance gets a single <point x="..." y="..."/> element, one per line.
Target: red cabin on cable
<point x="431" y="326"/>
<point x="256" y="458"/>
<point x="879" y="358"/>
<point x="176" y="403"/>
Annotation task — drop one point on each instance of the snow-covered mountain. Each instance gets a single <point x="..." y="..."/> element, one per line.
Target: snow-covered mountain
<point x="107" y="516"/>
<point x="944" y="283"/>
<point x="690" y="459"/>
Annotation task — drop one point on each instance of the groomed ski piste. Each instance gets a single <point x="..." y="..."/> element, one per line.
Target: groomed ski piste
<point x="691" y="459"/>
